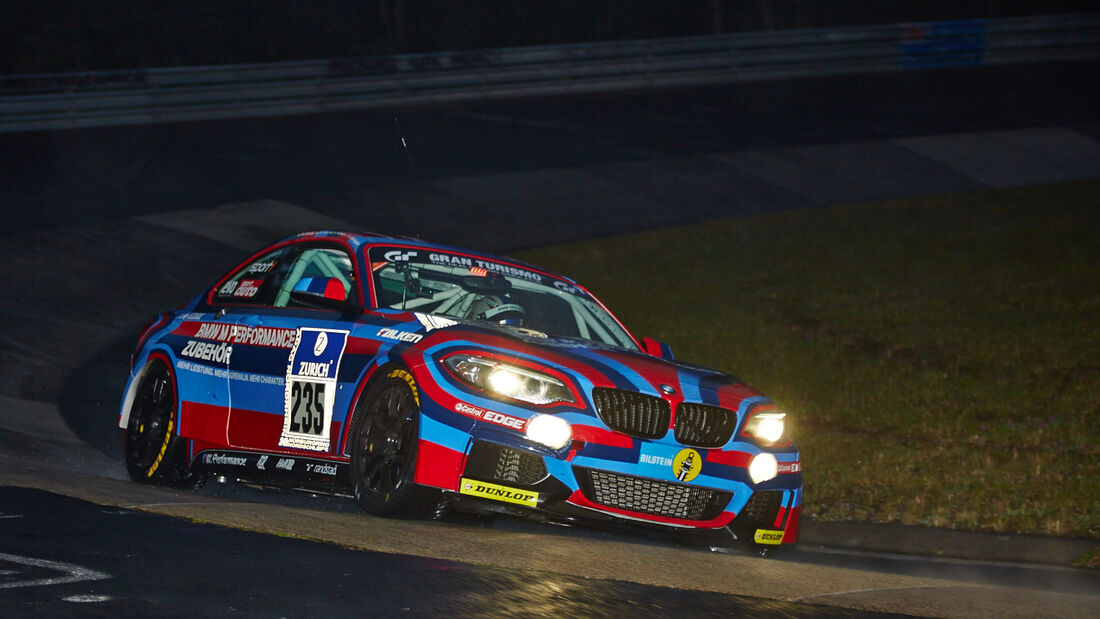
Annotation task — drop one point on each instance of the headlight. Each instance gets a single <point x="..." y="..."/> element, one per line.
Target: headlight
<point x="554" y="432"/>
<point x="763" y="467"/>
<point x="766" y="428"/>
<point x="508" y="380"/>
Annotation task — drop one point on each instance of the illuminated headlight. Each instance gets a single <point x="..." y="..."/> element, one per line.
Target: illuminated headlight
<point x="766" y="428"/>
<point x="549" y="430"/>
<point x="508" y="380"/>
<point x="763" y="467"/>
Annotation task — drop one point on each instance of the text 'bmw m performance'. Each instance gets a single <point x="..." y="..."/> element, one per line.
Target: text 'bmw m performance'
<point x="422" y="378"/>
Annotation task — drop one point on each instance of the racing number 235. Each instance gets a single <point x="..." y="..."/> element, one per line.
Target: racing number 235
<point x="307" y="412"/>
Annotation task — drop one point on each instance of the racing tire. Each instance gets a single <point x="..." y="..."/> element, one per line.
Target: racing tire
<point x="383" y="457"/>
<point x="153" y="450"/>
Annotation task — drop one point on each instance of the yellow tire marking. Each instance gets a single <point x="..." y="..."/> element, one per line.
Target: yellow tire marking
<point x="403" y="375"/>
<point x="163" y="447"/>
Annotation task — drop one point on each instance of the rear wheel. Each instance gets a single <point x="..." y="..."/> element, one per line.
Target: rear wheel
<point x="153" y="450"/>
<point x="383" y="457"/>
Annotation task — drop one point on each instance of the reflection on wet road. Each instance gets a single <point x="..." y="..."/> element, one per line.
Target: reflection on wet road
<point x="139" y="564"/>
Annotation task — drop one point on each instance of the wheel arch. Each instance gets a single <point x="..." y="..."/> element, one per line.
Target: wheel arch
<point x="371" y="377"/>
<point x="135" y="382"/>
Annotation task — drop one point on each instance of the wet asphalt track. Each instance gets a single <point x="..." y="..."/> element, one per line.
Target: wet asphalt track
<point x="79" y="267"/>
<point x="259" y="575"/>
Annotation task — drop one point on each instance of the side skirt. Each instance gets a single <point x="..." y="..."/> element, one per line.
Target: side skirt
<point x="277" y="470"/>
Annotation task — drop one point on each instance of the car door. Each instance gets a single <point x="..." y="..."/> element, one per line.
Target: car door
<point x="206" y="346"/>
<point x="283" y="377"/>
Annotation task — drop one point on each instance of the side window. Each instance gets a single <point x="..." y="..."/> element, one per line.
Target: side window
<point x="321" y="270"/>
<point x="258" y="282"/>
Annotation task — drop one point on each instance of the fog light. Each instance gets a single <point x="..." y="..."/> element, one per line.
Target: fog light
<point x="763" y="467"/>
<point x="550" y="430"/>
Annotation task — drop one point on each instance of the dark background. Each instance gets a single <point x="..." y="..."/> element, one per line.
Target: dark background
<point x="40" y="36"/>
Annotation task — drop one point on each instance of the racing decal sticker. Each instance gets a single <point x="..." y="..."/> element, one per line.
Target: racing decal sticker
<point x="660" y="461"/>
<point x="207" y="351"/>
<point x="766" y="536"/>
<point x="434" y="322"/>
<point x="654" y="460"/>
<point x="483" y="267"/>
<point x="248" y="288"/>
<point x="564" y="287"/>
<point x="273" y="337"/>
<point x="452" y="261"/>
<point x="486" y="490"/>
<point x="500" y="419"/>
<point x="395" y="255"/>
<point x="247" y="377"/>
<point x="400" y="336"/>
<point x="321" y="468"/>
<point x="224" y="459"/>
<point x="790" y="467"/>
<point x="262" y="267"/>
<point x="687" y="464"/>
<point x="310" y="390"/>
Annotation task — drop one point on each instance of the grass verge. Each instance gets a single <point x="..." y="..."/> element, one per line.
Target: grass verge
<point x="939" y="356"/>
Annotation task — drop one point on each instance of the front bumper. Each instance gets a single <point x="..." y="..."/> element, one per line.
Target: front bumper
<point x="602" y="474"/>
<point x="521" y="478"/>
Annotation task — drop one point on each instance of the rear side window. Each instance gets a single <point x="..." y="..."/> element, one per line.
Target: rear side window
<point x="313" y="265"/>
<point x="271" y="279"/>
<point x="256" y="283"/>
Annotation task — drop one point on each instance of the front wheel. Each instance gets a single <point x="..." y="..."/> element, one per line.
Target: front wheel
<point x="152" y="447"/>
<point x="383" y="457"/>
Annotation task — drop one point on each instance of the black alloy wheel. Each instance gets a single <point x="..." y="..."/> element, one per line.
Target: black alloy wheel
<point x="383" y="455"/>
<point x="151" y="445"/>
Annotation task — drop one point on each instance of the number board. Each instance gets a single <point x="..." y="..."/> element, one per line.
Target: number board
<point x="311" y="388"/>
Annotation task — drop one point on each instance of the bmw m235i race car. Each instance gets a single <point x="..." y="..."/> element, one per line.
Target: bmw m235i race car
<point x="421" y="378"/>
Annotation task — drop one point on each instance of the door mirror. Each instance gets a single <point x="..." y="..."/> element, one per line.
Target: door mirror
<point x="321" y="292"/>
<point x="657" y="348"/>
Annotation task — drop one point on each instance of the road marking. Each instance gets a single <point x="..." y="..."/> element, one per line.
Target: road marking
<point x="71" y="573"/>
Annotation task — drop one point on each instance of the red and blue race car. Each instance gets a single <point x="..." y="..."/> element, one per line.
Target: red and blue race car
<point x="422" y="378"/>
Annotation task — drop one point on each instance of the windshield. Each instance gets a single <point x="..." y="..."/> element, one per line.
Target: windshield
<point x="473" y="288"/>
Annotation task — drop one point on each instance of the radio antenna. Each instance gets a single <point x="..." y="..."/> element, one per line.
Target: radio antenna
<point x="408" y="159"/>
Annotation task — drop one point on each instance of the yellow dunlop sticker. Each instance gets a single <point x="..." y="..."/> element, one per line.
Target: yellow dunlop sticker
<point x="486" y="490"/>
<point x="764" y="536"/>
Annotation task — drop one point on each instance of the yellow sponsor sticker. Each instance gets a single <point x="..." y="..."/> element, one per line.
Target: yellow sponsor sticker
<point x="486" y="490"/>
<point x="765" y="536"/>
<point x="687" y="464"/>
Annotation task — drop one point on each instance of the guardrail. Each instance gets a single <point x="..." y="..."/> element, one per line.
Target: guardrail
<point x="101" y="98"/>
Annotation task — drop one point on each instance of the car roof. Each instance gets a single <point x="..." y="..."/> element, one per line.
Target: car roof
<point x="358" y="239"/>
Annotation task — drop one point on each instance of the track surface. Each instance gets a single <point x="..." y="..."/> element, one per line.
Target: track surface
<point x="102" y="228"/>
<point x="322" y="580"/>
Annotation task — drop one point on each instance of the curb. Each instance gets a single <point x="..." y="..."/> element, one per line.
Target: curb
<point x="926" y="541"/>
